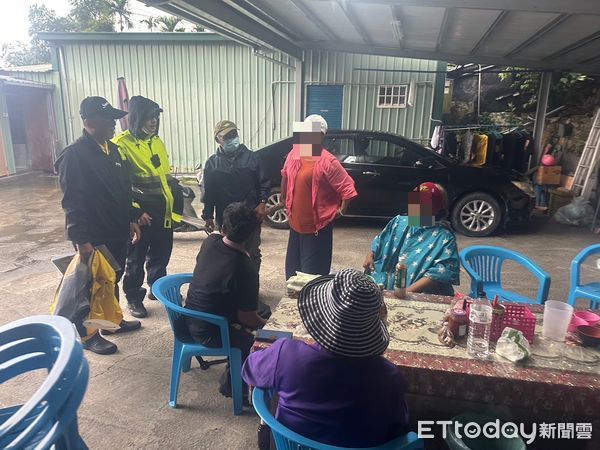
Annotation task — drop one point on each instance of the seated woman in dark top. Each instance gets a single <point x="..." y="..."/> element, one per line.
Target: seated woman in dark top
<point x="225" y="283"/>
<point x="339" y="391"/>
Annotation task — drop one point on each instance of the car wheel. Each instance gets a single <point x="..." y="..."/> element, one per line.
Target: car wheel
<point x="279" y="219"/>
<point x="476" y="215"/>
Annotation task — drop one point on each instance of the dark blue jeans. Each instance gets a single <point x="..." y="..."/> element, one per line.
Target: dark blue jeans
<point x="309" y="253"/>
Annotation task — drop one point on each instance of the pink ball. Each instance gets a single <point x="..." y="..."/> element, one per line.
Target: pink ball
<point x="548" y="160"/>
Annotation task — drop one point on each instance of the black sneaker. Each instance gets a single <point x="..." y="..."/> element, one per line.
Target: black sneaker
<point x="137" y="310"/>
<point x="151" y="295"/>
<point x="99" y="345"/>
<point x="126" y="327"/>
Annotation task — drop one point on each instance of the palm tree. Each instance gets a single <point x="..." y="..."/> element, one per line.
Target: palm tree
<point x="150" y="22"/>
<point x="120" y="8"/>
<point x="170" y="24"/>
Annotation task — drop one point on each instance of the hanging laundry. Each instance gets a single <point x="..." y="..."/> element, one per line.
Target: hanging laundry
<point x="480" y="143"/>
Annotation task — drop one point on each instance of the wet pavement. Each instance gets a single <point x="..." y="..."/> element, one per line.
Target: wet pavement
<point x="126" y="403"/>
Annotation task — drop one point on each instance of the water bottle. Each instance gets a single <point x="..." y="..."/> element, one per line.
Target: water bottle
<point x="480" y="324"/>
<point x="400" y="281"/>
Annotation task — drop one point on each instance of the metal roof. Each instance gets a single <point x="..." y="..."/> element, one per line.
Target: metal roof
<point x="11" y="81"/>
<point x="545" y="34"/>
<point x="37" y="68"/>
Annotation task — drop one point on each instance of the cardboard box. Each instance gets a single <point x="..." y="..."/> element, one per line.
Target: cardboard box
<point x="566" y="181"/>
<point x="548" y="175"/>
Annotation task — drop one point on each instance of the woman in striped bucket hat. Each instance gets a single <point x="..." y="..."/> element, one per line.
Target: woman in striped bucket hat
<point x="339" y="391"/>
<point x="341" y="313"/>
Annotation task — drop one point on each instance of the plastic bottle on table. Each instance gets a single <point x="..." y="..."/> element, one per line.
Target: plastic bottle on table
<point x="400" y="279"/>
<point x="480" y="324"/>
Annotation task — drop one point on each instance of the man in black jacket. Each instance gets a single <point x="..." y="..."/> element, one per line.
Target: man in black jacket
<point x="97" y="197"/>
<point x="232" y="175"/>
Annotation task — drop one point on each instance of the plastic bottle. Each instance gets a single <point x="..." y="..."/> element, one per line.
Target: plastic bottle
<point x="480" y="324"/>
<point x="400" y="280"/>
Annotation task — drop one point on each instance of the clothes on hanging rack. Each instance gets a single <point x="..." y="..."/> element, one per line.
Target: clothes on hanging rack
<point x="484" y="145"/>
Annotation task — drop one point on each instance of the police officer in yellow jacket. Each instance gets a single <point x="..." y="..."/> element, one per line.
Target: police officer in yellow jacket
<point x="153" y="189"/>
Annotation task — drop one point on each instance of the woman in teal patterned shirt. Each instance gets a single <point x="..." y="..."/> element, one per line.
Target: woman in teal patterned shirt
<point x="424" y="240"/>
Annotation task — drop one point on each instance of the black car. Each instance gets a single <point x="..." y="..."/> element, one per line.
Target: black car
<point x="385" y="167"/>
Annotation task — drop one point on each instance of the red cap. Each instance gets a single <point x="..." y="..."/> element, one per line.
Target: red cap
<point x="436" y="193"/>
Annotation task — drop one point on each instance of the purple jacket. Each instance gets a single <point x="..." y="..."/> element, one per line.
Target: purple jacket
<point x="348" y="402"/>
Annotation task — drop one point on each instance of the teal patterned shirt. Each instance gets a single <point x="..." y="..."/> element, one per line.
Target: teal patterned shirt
<point x="430" y="252"/>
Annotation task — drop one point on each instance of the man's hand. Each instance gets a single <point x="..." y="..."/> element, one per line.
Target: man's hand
<point x="261" y="211"/>
<point x="274" y="208"/>
<point x="209" y="225"/>
<point x="339" y="213"/>
<point x="369" y="263"/>
<point x="85" y="251"/>
<point x="135" y="232"/>
<point x="145" y="219"/>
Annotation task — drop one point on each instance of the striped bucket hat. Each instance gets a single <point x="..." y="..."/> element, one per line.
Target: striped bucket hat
<point x="341" y="313"/>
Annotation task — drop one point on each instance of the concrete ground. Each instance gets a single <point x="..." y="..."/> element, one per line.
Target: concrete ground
<point x="126" y="402"/>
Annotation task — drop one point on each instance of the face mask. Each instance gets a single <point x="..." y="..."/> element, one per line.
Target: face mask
<point x="231" y="145"/>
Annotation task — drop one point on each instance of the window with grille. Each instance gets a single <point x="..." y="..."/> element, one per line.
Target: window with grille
<point x="392" y="96"/>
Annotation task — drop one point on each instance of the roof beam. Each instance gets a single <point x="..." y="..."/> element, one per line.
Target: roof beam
<point x="538" y="34"/>
<point x="310" y="15"/>
<point x="398" y="25"/>
<point x="552" y="6"/>
<point x="575" y="45"/>
<point x="248" y="7"/>
<point x="499" y="19"/>
<point x="276" y="17"/>
<point x="219" y="13"/>
<point x="447" y="19"/>
<point x="451" y="57"/>
<point x="351" y="16"/>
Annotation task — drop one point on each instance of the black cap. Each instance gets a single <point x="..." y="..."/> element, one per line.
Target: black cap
<point x="99" y="107"/>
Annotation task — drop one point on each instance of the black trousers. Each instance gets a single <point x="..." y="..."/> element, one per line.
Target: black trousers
<point x="309" y="253"/>
<point x="153" y="251"/>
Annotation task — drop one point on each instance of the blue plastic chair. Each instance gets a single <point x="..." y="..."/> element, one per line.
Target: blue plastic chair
<point x="484" y="263"/>
<point x="286" y="439"/>
<point x="49" y="418"/>
<point x="168" y="291"/>
<point x="590" y="291"/>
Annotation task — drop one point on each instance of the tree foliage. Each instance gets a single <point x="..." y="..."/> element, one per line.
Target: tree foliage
<point x="120" y="9"/>
<point x="92" y="15"/>
<point x="566" y="87"/>
<point x="170" y="24"/>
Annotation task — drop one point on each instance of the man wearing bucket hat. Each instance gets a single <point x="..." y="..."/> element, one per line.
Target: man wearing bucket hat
<point x="339" y="391"/>
<point x="424" y="240"/>
<point x="233" y="174"/>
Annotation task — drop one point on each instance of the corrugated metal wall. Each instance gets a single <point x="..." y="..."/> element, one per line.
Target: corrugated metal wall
<point x="196" y="84"/>
<point x="201" y="82"/>
<point x="361" y="89"/>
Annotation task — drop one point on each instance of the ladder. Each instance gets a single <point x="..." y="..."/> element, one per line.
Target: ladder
<point x="582" y="185"/>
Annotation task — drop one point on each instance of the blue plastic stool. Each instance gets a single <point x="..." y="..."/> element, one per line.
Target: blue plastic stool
<point x="484" y="263"/>
<point x="168" y="291"/>
<point x="590" y="291"/>
<point x="49" y="417"/>
<point x="286" y="439"/>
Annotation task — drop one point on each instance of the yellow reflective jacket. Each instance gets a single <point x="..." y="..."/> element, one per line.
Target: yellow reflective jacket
<point x="103" y="304"/>
<point x="150" y="176"/>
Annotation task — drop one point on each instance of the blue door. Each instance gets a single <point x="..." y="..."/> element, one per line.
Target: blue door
<point x="328" y="102"/>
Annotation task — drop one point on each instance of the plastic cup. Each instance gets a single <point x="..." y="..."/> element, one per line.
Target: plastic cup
<point x="557" y="316"/>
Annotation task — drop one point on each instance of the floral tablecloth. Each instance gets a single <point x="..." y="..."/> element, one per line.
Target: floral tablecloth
<point x="562" y="378"/>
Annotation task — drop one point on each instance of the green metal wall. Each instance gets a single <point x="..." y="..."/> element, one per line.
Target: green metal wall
<point x="196" y="84"/>
<point x="201" y="82"/>
<point x="361" y="89"/>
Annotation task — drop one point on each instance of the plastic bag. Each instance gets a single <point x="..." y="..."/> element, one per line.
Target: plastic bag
<point x="72" y="297"/>
<point x="512" y="345"/>
<point x="578" y="213"/>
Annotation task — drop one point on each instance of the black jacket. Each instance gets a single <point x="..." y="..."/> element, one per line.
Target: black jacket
<point x="97" y="196"/>
<point x="239" y="178"/>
